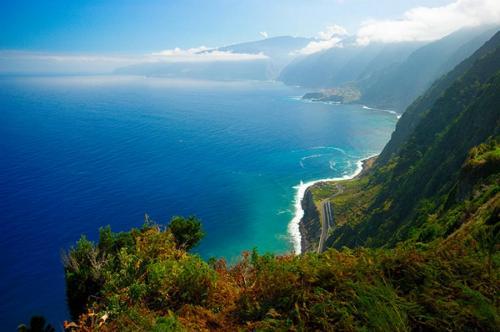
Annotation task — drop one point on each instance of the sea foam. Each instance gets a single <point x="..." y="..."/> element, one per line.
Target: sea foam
<point x="293" y="226"/>
<point x="398" y="115"/>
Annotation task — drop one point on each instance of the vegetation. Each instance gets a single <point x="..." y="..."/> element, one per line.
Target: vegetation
<point x="344" y="94"/>
<point x="90" y="267"/>
<point x="446" y="169"/>
<point x="187" y="232"/>
<point x="418" y="109"/>
<point x="142" y="280"/>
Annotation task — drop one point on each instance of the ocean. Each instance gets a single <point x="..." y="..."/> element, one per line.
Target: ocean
<point x="78" y="153"/>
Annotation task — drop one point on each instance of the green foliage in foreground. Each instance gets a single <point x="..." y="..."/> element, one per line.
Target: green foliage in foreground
<point x="187" y="231"/>
<point x="118" y="260"/>
<point x="143" y="280"/>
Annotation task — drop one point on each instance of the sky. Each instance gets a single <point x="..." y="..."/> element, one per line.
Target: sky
<point x="130" y="29"/>
<point x="97" y="26"/>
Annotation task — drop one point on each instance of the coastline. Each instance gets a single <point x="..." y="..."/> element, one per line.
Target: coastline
<point x="365" y="107"/>
<point x="294" y="225"/>
<point x="398" y="115"/>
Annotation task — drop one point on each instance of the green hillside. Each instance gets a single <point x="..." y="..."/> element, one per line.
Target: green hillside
<point x="397" y="86"/>
<point x="421" y="105"/>
<point x="425" y="179"/>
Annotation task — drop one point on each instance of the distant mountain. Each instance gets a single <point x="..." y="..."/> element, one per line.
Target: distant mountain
<point x="417" y="110"/>
<point x="275" y="47"/>
<point x="397" y="86"/>
<point x="387" y="75"/>
<point x="348" y="64"/>
<point x="278" y="50"/>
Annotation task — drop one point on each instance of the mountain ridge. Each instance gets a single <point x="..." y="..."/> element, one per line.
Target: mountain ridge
<point x="404" y="70"/>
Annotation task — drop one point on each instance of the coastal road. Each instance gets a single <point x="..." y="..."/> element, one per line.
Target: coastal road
<point x="326" y="217"/>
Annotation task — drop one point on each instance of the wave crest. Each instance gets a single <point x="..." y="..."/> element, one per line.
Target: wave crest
<point x="293" y="226"/>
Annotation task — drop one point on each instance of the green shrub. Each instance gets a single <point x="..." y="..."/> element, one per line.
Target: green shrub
<point x="187" y="231"/>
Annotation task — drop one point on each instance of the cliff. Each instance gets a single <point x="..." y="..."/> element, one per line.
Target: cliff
<point x="310" y="225"/>
<point x="443" y="171"/>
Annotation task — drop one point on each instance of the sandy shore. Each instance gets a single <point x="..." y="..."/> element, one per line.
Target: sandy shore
<point x="293" y="226"/>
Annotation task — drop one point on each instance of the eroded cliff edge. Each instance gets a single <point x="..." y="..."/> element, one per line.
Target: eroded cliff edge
<point x="310" y="225"/>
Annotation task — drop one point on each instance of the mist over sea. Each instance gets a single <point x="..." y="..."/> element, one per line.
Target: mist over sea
<point x="78" y="153"/>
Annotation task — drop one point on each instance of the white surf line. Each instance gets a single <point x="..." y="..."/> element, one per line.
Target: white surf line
<point x="398" y="115"/>
<point x="293" y="226"/>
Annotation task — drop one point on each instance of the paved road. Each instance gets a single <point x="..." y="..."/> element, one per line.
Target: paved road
<point x="326" y="217"/>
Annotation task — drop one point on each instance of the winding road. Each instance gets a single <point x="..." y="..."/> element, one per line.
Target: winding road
<point x="327" y="218"/>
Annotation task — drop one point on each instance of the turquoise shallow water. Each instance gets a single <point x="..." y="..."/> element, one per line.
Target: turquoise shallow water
<point x="78" y="153"/>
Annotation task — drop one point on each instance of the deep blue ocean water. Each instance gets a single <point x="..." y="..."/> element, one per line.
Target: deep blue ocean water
<point x="77" y="153"/>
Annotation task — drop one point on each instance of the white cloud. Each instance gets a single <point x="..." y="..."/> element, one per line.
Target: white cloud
<point x="203" y="54"/>
<point x="15" y="61"/>
<point x="328" y="38"/>
<point x="264" y="34"/>
<point x="178" y="52"/>
<point x="430" y="23"/>
<point x="320" y="45"/>
<point x="332" y="31"/>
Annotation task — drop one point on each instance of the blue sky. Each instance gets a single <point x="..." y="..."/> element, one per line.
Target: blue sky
<point x="137" y="26"/>
<point x="98" y="36"/>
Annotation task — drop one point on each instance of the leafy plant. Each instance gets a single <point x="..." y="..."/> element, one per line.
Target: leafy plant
<point x="187" y="231"/>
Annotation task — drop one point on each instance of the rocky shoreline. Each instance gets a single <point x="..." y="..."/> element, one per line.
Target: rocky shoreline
<point x="310" y="225"/>
<point x="345" y="95"/>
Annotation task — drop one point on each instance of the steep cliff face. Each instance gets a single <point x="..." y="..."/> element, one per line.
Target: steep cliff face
<point x="431" y="184"/>
<point x="418" y="110"/>
<point x="389" y="76"/>
<point x="310" y="224"/>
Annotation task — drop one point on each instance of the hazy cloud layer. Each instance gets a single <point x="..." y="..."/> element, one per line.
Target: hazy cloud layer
<point x="203" y="54"/>
<point x="37" y="62"/>
<point x="328" y="38"/>
<point x="11" y="61"/>
<point x="416" y="24"/>
<point x="430" y="23"/>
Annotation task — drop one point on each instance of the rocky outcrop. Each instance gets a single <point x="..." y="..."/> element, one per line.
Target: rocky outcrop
<point x="344" y="94"/>
<point x="310" y="225"/>
<point x="323" y="97"/>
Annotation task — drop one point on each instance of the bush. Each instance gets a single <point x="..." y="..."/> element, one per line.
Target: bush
<point x="83" y="267"/>
<point x="151" y="283"/>
<point x="187" y="231"/>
